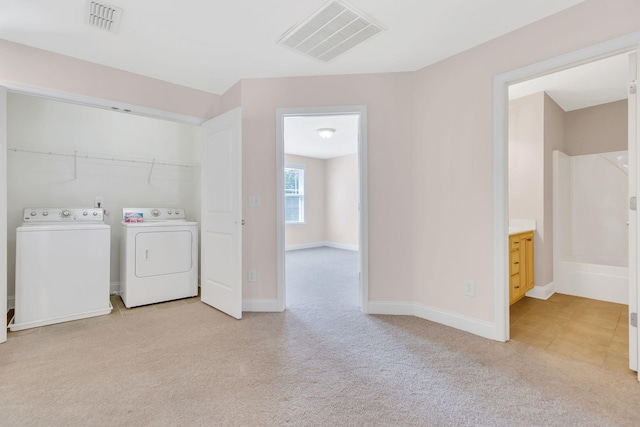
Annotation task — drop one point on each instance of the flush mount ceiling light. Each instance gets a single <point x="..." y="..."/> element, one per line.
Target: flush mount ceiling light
<point x="330" y="31"/>
<point x="326" y="133"/>
<point x="103" y="15"/>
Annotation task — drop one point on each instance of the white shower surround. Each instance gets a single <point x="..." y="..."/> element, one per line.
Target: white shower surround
<point x="590" y="217"/>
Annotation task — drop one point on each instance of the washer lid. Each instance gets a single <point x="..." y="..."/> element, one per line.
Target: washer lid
<point x="60" y="226"/>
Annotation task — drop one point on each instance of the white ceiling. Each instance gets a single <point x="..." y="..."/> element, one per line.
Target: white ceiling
<point x="301" y="137"/>
<point x="211" y="44"/>
<point x="584" y="86"/>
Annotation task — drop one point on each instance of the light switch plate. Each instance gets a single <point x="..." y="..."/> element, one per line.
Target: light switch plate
<point x="254" y="201"/>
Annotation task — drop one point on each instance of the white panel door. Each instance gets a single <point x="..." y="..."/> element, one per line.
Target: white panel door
<point x="3" y="209"/>
<point x="633" y="214"/>
<point x="221" y="222"/>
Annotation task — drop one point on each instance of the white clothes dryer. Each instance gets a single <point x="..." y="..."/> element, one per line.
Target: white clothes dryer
<point x="62" y="266"/>
<point x="159" y="256"/>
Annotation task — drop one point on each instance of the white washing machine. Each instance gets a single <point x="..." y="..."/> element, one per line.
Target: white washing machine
<point x="62" y="266"/>
<point x="158" y="256"/>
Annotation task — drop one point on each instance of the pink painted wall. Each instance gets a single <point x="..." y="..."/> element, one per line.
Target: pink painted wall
<point x="43" y="69"/>
<point x="453" y="149"/>
<point x="388" y="100"/>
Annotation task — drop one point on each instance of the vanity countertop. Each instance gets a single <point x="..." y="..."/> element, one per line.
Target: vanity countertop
<point x="517" y="230"/>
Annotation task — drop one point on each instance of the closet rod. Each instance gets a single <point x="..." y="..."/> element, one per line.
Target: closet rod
<point x="96" y="156"/>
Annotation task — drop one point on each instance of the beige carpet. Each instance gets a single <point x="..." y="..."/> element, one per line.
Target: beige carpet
<point x="318" y="364"/>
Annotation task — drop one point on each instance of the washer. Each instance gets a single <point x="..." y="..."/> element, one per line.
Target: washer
<point x="159" y="256"/>
<point x="62" y="266"/>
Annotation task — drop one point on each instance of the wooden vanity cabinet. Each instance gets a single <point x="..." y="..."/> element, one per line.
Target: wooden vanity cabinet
<point x="521" y="279"/>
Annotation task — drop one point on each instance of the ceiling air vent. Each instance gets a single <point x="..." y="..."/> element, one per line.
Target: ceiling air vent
<point x="330" y="31"/>
<point x="103" y="15"/>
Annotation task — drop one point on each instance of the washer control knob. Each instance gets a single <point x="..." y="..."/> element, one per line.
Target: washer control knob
<point x="155" y="212"/>
<point x="45" y="213"/>
<point x="177" y="212"/>
<point x="169" y="212"/>
<point x="84" y="214"/>
<point x="95" y="214"/>
<point x="33" y="213"/>
<point x="66" y="213"/>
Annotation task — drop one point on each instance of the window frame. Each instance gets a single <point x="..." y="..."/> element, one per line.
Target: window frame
<point x="302" y="196"/>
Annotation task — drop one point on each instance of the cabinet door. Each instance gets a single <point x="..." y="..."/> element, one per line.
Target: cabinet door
<point x="515" y="289"/>
<point x="528" y="279"/>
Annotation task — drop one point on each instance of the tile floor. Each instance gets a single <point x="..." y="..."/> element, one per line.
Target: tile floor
<point x="119" y="312"/>
<point x="596" y="332"/>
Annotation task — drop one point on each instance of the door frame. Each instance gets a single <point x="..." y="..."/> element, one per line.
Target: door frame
<point x="363" y="232"/>
<point x="625" y="44"/>
<point x="73" y="98"/>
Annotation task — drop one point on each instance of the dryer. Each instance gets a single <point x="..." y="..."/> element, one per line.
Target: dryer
<point x="159" y="256"/>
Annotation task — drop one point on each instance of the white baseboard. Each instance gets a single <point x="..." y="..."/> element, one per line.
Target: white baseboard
<point x="11" y="302"/>
<point x="342" y="246"/>
<point x="454" y="320"/>
<point x="542" y="292"/>
<point x="304" y="246"/>
<point x="320" y="245"/>
<point x="115" y="288"/>
<point x="261" y="305"/>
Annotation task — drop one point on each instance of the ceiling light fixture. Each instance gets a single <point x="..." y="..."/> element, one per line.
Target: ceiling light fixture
<point x="326" y="133"/>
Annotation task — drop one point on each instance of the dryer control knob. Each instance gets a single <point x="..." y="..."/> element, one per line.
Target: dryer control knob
<point x="66" y="213"/>
<point x="169" y="212"/>
<point x="45" y="213"/>
<point x="95" y="214"/>
<point x="155" y="212"/>
<point x="33" y="213"/>
<point x="84" y="214"/>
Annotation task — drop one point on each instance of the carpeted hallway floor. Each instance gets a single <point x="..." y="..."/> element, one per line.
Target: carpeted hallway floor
<point x="320" y="363"/>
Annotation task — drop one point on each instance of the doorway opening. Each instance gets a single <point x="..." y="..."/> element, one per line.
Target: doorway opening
<point x="321" y="167"/>
<point x="571" y="169"/>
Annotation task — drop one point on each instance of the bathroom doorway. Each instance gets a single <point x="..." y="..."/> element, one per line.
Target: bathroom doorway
<point x="568" y="183"/>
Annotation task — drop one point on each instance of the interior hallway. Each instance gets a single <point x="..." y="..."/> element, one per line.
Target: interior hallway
<point x="591" y="331"/>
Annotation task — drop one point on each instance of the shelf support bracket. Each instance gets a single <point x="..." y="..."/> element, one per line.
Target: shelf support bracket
<point x="153" y="163"/>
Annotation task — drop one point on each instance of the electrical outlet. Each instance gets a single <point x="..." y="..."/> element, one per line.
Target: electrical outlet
<point x="251" y="275"/>
<point x="470" y="288"/>
<point x="98" y="202"/>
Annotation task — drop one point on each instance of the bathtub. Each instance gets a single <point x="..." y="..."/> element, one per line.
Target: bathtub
<point x="583" y="278"/>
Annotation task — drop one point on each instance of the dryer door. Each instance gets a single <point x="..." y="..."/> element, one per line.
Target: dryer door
<point x="163" y="252"/>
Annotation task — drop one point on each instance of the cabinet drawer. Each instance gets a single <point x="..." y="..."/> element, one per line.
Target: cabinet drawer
<point x="514" y="243"/>
<point x="514" y="262"/>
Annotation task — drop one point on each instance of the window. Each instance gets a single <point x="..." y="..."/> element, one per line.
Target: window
<point x="294" y="194"/>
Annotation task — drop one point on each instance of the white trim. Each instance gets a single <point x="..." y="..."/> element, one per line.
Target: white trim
<point x="342" y="246"/>
<point x="320" y="245"/>
<point x="261" y="305"/>
<point x="11" y="302"/>
<point x="619" y="45"/>
<point x="281" y="113"/>
<point x="447" y="318"/>
<point x="103" y="103"/>
<point x="305" y="246"/>
<point x="542" y="292"/>
<point x="3" y="211"/>
<point x="115" y="288"/>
